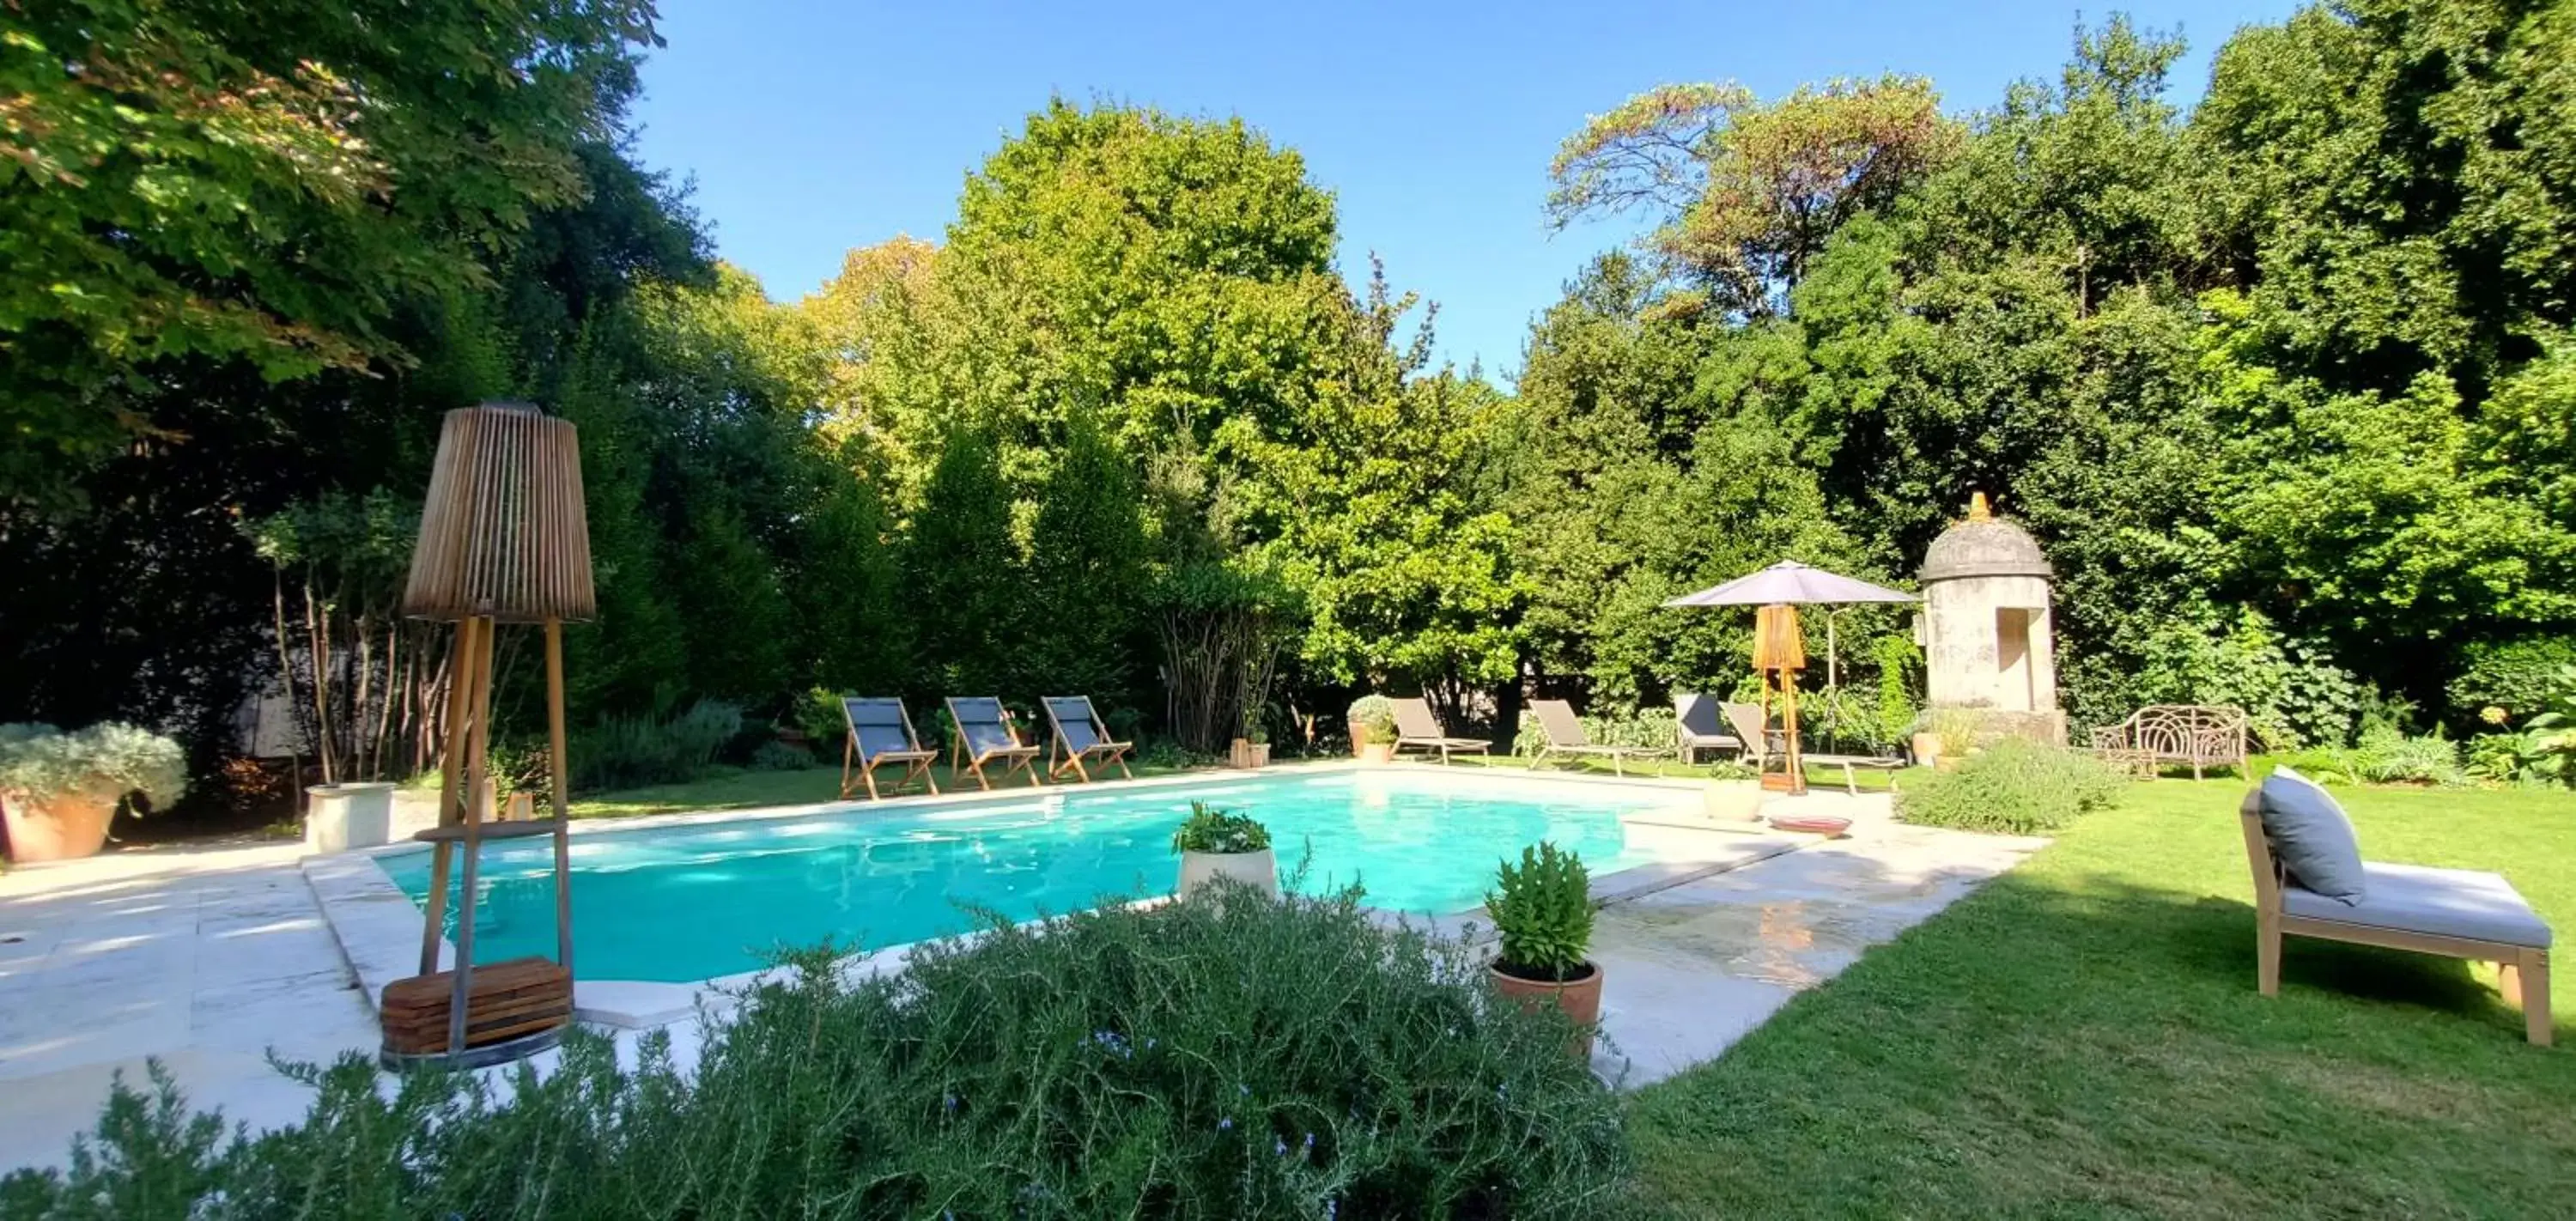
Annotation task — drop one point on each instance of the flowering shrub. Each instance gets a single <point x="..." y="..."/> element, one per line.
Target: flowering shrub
<point x="1287" y="1059"/>
<point x="1209" y="829"/>
<point x="39" y="762"/>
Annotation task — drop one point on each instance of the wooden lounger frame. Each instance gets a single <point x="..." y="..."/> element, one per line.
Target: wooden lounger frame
<point x="1062" y="757"/>
<point x="964" y="759"/>
<point x="2523" y="971"/>
<point x="915" y="760"/>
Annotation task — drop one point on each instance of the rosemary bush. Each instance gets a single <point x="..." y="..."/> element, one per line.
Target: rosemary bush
<point x="1221" y="1060"/>
<point x="1374" y="715"/>
<point x="2016" y="787"/>
<point x="111" y="759"/>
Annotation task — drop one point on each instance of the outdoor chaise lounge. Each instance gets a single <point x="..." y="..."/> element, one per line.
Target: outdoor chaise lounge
<point x="2310" y="881"/>
<point x="1703" y="726"/>
<point x="1080" y="734"/>
<point x="881" y="734"/>
<point x="984" y="735"/>
<point x="1564" y="733"/>
<point x="1416" y="727"/>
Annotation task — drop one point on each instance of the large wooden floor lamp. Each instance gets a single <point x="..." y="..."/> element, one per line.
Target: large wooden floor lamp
<point x="1779" y="652"/>
<point x="503" y="540"/>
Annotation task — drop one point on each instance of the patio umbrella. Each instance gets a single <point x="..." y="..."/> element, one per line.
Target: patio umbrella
<point x="1779" y="590"/>
<point x="1790" y="583"/>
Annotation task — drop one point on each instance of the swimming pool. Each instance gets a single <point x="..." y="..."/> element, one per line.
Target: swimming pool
<point x="694" y="902"/>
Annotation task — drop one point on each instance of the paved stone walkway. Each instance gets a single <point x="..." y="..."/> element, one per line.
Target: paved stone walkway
<point x="209" y="957"/>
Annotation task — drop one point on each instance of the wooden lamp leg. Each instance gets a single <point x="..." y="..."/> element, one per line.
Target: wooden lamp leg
<point x="478" y="745"/>
<point x="451" y="811"/>
<point x="555" y="735"/>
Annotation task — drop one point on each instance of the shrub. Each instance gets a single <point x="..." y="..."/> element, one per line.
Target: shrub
<point x="621" y="752"/>
<point x="1374" y="715"/>
<point x="39" y="762"/>
<point x="2016" y="787"/>
<point x="1209" y="829"/>
<point x="817" y="714"/>
<point x="1542" y="911"/>
<point x="2518" y="676"/>
<point x="776" y="756"/>
<point x="1288" y="1059"/>
<point x="1650" y="728"/>
<point x="2385" y="755"/>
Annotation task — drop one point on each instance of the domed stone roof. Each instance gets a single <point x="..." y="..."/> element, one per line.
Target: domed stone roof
<point x="1982" y="545"/>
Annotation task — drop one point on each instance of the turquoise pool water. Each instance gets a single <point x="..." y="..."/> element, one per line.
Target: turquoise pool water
<point x="689" y="903"/>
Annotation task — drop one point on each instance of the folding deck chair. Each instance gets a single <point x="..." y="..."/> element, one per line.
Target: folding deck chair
<point x="881" y="733"/>
<point x="984" y="735"/>
<point x="1702" y="726"/>
<point x="1415" y="726"/>
<point x="1080" y="734"/>
<point x="1564" y="733"/>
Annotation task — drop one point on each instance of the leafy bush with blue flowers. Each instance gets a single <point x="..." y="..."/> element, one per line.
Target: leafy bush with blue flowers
<point x="1219" y="1060"/>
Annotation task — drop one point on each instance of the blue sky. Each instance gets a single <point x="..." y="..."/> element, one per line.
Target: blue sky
<point x="810" y="128"/>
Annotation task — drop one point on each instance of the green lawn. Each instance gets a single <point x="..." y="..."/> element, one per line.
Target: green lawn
<point x="2083" y="1037"/>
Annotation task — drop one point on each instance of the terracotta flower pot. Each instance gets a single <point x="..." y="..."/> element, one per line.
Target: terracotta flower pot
<point x="1579" y="997"/>
<point x="66" y="826"/>
<point x="1927" y="749"/>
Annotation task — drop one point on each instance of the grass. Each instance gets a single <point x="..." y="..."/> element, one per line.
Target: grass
<point x="2083" y="1038"/>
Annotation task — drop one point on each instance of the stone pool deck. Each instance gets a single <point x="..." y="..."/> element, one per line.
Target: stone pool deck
<point x="207" y="957"/>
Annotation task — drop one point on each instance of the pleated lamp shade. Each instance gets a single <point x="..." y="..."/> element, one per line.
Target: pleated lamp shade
<point x="1777" y="642"/>
<point x="503" y="535"/>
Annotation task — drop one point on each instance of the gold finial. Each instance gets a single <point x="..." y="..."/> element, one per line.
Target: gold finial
<point x="1977" y="507"/>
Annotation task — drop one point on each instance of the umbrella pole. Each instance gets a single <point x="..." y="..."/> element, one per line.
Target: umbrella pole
<point x="1789" y="726"/>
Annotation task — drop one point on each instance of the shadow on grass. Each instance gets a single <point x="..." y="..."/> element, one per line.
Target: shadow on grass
<point x="2084" y="1036"/>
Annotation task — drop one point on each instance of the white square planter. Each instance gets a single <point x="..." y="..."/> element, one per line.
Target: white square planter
<point x="344" y="816"/>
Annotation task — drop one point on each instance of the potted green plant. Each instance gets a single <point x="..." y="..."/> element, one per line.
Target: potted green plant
<point x="1542" y="911"/>
<point x="1733" y="792"/>
<point x="58" y="790"/>
<point x="1954" y="732"/>
<point x="1373" y="729"/>
<point x="1216" y="843"/>
<point x="1256" y="746"/>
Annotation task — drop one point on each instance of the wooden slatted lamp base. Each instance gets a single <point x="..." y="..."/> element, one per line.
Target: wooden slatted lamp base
<point x="509" y="1003"/>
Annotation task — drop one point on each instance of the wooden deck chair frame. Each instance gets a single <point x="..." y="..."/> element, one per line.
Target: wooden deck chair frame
<point x="1426" y="733"/>
<point x="966" y="758"/>
<point x="864" y="764"/>
<point x="2522" y="971"/>
<point x="1575" y="743"/>
<point x="1063" y="755"/>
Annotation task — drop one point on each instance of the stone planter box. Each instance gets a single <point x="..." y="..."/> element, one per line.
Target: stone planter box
<point x="1259" y="869"/>
<point x="340" y="817"/>
<point x="1732" y="800"/>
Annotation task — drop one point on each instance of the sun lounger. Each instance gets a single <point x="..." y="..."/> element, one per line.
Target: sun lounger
<point x="984" y="735"/>
<point x="2290" y="825"/>
<point x="1416" y="727"/>
<point x="1702" y="726"/>
<point x="1081" y="735"/>
<point x="1564" y="733"/>
<point x="881" y="734"/>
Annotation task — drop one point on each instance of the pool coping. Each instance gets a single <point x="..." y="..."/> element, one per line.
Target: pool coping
<point x="378" y="927"/>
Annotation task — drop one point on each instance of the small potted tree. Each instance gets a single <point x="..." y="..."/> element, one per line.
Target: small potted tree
<point x="1216" y="843"/>
<point x="1373" y="729"/>
<point x="1955" y="733"/>
<point x="58" y="790"/>
<point x="1542" y="911"/>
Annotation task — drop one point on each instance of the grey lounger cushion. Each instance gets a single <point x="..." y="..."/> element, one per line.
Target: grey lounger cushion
<point x="2422" y="899"/>
<point x="2313" y="838"/>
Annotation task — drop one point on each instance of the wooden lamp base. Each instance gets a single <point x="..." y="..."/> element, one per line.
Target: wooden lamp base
<point x="508" y="1002"/>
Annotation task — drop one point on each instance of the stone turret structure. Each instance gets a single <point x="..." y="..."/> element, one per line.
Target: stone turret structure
<point x="1986" y="633"/>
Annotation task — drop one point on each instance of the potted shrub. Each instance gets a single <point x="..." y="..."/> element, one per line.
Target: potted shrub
<point x="1216" y="843"/>
<point x="58" y="790"/>
<point x="1542" y="911"/>
<point x="1256" y="746"/>
<point x="1733" y="792"/>
<point x="1373" y="729"/>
